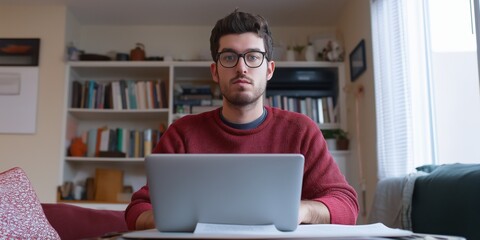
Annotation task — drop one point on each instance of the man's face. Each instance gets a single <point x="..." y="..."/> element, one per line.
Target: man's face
<point x="242" y="85"/>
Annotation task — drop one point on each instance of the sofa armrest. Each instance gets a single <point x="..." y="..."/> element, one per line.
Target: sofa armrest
<point x="74" y="222"/>
<point x="447" y="201"/>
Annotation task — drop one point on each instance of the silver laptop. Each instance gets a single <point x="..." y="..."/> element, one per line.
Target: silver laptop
<point x="245" y="189"/>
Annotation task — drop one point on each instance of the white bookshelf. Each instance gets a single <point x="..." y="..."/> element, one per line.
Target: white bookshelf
<point x="79" y="120"/>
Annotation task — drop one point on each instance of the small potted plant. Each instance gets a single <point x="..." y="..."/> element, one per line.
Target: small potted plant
<point x="342" y="139"/>
<point x="330" y="138"/>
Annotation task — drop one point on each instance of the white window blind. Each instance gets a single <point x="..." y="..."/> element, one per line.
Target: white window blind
<point x="404" y="119"/>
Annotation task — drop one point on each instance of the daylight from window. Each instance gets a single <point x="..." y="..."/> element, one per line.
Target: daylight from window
<point x="426" y="84"/>
<point x="455" y="81"/>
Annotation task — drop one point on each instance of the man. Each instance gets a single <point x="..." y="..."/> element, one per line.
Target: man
<point x="241" y="47"/>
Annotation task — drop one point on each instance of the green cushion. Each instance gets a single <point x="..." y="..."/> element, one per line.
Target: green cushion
<point x="448" y="201"/>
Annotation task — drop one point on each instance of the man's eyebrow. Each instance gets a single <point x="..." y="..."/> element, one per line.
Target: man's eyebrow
<point x="232" y="50"/>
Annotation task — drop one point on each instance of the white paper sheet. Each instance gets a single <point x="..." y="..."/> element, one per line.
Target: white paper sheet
<point x="316" y="231"/>
<point x="312" y="230"/>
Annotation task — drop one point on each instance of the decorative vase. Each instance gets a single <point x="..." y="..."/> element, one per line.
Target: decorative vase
<point x="290" y="55"/>
<point x="342" y="144"/>
<point x="138" y="53"/>
<point x="310" y="53"/>
<point x="331" y="144"/>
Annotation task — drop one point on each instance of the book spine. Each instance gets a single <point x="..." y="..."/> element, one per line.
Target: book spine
<point x="147" y="144"/>
<point x="91" y="142"/>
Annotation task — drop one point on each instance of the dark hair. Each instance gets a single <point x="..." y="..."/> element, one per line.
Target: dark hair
<point x="241" y="22"/>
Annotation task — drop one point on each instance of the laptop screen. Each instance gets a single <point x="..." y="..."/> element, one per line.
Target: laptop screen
<point x="246" y="189"/>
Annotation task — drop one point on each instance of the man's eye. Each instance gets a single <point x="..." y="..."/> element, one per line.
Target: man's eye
<point x="229" y="58"/>
<point x="252" y="57"/>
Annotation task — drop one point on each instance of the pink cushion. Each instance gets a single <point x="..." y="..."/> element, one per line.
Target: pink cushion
<point x="21" y="215"/>
<point x="74" y="222"/>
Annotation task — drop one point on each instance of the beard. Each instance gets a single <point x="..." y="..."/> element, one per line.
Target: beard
<point x="241" y="96"/>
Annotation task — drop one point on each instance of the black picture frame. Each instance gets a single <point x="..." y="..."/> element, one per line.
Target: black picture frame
<point x="19" y="51"/>
<point x="358" y="63"/>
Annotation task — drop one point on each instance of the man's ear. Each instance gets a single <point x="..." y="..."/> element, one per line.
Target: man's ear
<point x="214" y="72"/>
<point x="270" y="69"/>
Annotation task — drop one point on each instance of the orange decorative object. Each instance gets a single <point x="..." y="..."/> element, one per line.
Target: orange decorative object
<point x="78" y="148"/>
<point x="138" y="53"/>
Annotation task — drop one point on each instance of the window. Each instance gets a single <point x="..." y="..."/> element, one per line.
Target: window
<point x="425" y="96"/>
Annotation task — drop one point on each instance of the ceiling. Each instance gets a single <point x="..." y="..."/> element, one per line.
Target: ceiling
<point x="195" y="12"/>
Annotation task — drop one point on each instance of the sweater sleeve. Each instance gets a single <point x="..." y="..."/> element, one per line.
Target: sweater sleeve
<point x="324" y="182"/>
<point x="139" y="204"/>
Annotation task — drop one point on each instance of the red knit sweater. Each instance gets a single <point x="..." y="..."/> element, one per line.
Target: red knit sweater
<point x="281" y="132"/>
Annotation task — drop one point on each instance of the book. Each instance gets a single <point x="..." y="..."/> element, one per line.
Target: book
<point x="92" y="86"/>
<point x="84" y="101"/>
<point x="147" y="144"/>
<point x="200" y="109"/>
<point x="148" y="94"/>
<point x="100" y="96"/>
<point x="136" y="152"/>
<point x="76" y="94"/>
<point x="104" y="140"/>
<point x="141" y="95"/>
<point x="98" y="140"/>
<point x="331" y="111"/>
<point x="112" y="142"/>
<point x="163" y="94"/>
<point x="326" y="116"/>
<point x="108" y="184"/>
<point x="196" y="89"/>
<point x="159" y="94"/>
<point x="132" y="94"/>
<point x="119" y="139"/>
<point x="123" y="93"/>
<point x="91" y="142"/>
<point x="321" y="118"/>
<point x="107" y="99"/>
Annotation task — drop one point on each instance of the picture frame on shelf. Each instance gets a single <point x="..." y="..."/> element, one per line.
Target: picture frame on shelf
<point x="358" y="63"/>
<point x="19" y="51"/>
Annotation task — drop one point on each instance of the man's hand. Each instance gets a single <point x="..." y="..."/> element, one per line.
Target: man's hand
<point x="313" y="212"/>
<point x="145" y="221"/>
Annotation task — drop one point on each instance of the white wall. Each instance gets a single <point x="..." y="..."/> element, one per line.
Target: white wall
<point x="180" y="42"/>
<point x="39" y="154"/>
<point x="355" y="24"/>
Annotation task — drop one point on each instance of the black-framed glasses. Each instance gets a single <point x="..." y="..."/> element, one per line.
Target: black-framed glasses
<point x="229" y="59"/>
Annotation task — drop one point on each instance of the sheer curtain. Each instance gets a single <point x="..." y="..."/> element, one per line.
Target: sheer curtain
<point x="405" y="138"/>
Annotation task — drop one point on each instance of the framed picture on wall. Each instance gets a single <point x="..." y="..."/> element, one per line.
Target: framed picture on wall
<point x="19" y="51"/>
<point x="358" y="64"/>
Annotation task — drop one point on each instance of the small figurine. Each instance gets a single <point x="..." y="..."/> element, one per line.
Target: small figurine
<point x="334" y="52"/>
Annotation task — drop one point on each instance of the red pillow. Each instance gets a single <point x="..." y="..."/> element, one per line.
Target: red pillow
<point x="21" y="215"/>
<point x="74" y="222"/>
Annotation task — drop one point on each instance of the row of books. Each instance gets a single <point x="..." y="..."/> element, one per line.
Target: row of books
<point x="192" y="99"/>
<point x="118" y="95"/>
<point x="196" y="105"/>
<point x="320" y="110"/>
<point x="121" y="142"/>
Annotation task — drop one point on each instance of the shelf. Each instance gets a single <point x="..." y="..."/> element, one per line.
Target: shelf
<point x="119" y="69"/>
<point x="329" y="125"/>
<point x="104" y="159"/>
<point x="340" y="152"/>
<point x="89" y="202"/>
<point x="296" y="64"/>
<point x="141" y="64"/>
<point x="127" y="114"/>
<point x="96" y="204"/>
